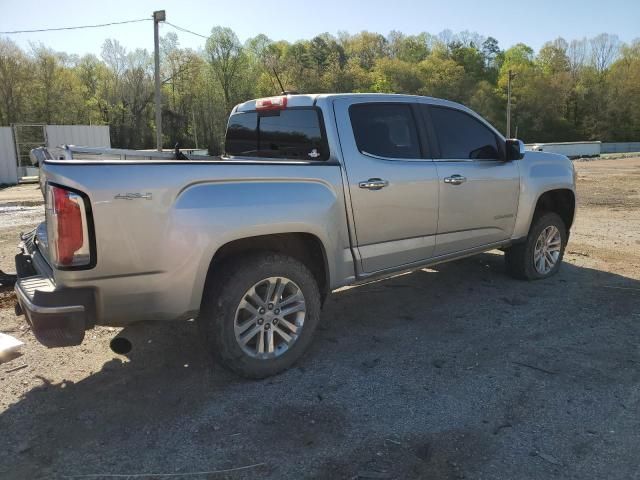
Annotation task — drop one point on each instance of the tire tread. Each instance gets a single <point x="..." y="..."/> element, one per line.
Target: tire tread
<point x="219" y="301"/>
<point x="517" y="257"/>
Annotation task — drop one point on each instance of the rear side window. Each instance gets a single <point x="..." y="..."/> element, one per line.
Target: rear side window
<point x="288" y="134"/>
<point x="385" y="129"/>
<point x="463" y="137"/>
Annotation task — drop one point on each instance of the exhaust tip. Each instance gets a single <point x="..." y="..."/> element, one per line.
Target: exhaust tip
<point x="120" y="345"/>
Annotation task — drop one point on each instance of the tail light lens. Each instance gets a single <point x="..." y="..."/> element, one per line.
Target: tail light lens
<point x="67" y="228"/>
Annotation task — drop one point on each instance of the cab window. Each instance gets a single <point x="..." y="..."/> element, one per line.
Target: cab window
<point x="385" y="129"/>
<point x="463" y="137"/>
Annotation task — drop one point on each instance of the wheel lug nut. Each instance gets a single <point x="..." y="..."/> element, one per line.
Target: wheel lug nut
<point x="261" y="310"/>
<point x="267" y="326"/>
<point x="260" y="321"/>
<point x="275" y="321"/>
<point x="277" y="311"/>
<point x="270" y="306"/>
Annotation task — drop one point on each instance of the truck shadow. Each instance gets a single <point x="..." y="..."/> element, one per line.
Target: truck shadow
<point x="429" y="374"/>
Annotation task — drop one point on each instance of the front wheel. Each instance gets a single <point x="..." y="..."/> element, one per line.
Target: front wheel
<point x="259" y="314"/>
<point x="541" y="254"/>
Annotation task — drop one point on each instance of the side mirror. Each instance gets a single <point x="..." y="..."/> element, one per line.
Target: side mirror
<point x="515" y="149"/>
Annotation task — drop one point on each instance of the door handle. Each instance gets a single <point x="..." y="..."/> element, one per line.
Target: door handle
<point x="373" y="184"/>
<point x="455" y="179"/>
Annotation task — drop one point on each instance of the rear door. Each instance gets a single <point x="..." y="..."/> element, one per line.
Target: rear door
<point x="393" y="182"/>
<point x="478" y="190"/>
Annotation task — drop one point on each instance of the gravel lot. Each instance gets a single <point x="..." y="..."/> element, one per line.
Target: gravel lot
<point x="452" y="372"/>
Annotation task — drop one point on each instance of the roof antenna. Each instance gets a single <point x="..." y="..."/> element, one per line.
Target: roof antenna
<point x="282" y="90"/>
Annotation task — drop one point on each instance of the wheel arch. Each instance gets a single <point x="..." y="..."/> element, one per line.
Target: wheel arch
<point x="561" y="201"/>
<point x="305" y="247"/>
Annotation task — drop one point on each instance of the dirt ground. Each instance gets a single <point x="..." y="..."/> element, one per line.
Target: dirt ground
<point x="452" y="372"/>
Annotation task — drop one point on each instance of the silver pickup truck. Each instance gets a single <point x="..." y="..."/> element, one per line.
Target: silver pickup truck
<point x="314" y="192"/>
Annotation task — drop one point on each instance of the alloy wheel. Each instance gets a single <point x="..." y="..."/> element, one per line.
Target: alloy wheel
<point x="547" y="250"/>
<point x="270" y="317"/>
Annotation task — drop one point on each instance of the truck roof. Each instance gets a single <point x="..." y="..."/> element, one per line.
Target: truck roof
<point x="309" y="99"/>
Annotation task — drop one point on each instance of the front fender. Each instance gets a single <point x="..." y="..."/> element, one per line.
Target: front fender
<point x="540" y="172"/>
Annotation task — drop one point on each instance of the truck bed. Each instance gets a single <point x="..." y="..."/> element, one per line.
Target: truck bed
<point x="164" y="219"/>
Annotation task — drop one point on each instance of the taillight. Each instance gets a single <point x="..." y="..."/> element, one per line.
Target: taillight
<point x="271" y="103"/>
<point x="67" y="228"/>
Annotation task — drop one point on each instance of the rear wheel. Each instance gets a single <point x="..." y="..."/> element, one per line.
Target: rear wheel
<point x="259" y="314"/>
<point x="541" y="254"/>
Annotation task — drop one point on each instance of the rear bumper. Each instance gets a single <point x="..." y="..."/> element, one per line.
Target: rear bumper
<point x="58" y="316"/>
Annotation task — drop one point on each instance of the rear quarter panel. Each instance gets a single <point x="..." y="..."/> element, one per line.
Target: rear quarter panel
<point x="153" y="255"/>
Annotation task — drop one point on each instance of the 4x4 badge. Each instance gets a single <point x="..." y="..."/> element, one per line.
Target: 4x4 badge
<point x="134" y="196"/>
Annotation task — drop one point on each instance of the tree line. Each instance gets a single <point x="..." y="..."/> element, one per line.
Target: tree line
<point x="586" y="89"/>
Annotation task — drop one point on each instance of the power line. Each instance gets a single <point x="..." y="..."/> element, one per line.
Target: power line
<point x="185" y="30"/>
<point x="36" y="30"/>
<point x="76" y="28"/>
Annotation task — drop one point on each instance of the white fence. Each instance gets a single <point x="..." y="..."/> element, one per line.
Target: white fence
<point x="8" y="162"/>
<point x="84" y="135"/>
<point x="56" y="135"/>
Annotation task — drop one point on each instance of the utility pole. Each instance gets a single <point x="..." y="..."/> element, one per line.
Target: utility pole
<point x="511" y="77"/>
<point x="158" y="16"/>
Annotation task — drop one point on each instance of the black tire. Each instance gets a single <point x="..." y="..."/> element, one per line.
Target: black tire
<point x="224" y="291"/>
<point x="519" y="258"/>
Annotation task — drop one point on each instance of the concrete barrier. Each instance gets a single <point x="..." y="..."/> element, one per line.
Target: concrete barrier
<point x="620" y="147"/>
<point x="570" y="149"/>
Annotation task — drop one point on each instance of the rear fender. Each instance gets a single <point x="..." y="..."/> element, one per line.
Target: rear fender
<point x="205" y="217"/>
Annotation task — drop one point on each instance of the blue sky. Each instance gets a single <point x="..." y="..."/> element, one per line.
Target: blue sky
<point x="532" y="22"/>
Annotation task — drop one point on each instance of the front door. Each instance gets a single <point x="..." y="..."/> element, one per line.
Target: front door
<point x="478" y="191"/>
<point x="393" y="186"/>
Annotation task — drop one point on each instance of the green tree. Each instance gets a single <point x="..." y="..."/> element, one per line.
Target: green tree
<point x="15" y="82"/>
<point x="366" y="47"/>
<point x="442" y="77"/>
<point x="569" y="90"/>
<point x="226" y="57"/>
<point x="394" y="75"/>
